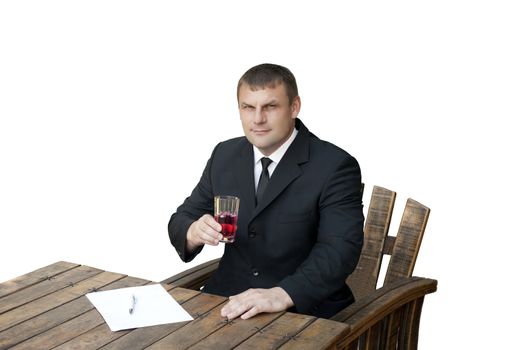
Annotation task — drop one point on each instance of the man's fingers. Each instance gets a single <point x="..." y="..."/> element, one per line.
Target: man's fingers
<point x="210" y="221"/>
<point x="228" y="310"/>
<point x="205" y="230"/>
<point x="241" y="304"/>
<point x="231" y="310"/>
<point x="250" y="313"/>
<point x="209" y="234"/>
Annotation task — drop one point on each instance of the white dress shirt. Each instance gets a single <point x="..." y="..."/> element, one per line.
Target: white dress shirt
<point x="276" y="157"/>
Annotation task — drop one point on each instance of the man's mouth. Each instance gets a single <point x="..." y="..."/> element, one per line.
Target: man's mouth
<point x="260" y="131"/>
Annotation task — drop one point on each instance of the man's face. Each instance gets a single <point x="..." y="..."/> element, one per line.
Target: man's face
<point x="268" y="118"/>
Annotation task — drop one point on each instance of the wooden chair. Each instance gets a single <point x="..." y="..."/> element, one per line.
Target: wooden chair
<point x="388" y="317"/>
<point x="384" y="318"/>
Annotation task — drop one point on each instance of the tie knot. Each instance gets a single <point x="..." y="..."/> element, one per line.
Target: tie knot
<point x="265" y="163"/>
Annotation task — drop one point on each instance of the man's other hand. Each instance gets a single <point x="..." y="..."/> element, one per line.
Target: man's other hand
<point x="254" y="301"/>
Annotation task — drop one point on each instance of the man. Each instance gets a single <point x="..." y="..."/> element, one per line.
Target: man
<point x="298" y="241"/>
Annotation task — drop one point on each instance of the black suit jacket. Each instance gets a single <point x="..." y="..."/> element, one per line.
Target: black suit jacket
<point x="305" y="235"/>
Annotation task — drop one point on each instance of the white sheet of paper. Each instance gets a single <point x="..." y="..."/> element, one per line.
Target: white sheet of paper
<point x="154" y="306"/>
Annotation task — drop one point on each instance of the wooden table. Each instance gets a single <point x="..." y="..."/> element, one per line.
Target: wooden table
<point x="48" y="309"/>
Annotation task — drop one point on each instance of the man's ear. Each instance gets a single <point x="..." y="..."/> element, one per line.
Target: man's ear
<point x="295" y="107"/>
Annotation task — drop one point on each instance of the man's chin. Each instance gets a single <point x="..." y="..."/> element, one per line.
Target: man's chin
<point x="258" y="140"/>
<point x="261" y="144"/>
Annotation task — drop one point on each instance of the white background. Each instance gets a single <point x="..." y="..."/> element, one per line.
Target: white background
<point x="109" y="111"/>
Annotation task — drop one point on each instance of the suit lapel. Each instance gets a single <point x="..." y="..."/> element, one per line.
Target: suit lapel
<point x="288" y="169"/>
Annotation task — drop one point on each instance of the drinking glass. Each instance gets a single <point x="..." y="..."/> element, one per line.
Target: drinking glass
<point x="226" y="209"/>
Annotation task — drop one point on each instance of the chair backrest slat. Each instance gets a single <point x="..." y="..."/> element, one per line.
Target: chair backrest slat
<point x="363" y="280"/>
<point x="408" y="241"/>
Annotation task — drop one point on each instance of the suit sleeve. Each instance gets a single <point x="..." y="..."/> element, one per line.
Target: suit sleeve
<point x="199" y="203"/>
<point x="338" y="243"/>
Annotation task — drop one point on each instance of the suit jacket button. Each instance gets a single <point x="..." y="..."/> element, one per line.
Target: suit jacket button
<point x="256" y="272"/>
<point x="252" y="234"/>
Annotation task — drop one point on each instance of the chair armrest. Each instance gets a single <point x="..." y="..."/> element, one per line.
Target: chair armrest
<point x="390" y="314"/>
<point x="193" y="278"/>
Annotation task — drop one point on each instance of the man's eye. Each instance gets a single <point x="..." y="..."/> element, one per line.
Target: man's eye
<point x="248" y="107"/>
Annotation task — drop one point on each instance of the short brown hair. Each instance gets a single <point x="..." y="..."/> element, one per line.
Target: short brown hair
<point x="270" y="75"/>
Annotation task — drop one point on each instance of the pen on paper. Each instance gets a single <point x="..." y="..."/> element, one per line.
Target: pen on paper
<point x="133" y="304"/>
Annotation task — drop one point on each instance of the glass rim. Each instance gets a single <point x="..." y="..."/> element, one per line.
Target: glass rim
<point x="226" y="197"/>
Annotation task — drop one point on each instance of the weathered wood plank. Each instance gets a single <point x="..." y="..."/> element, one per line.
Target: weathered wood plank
<point x="408" y="241"/>
<point x="55" y="316"/>
<point x="392" y="329"/>
<point x="46" y="287"/>
<point x="383" y="302"/>
<point x="191" y="333"/>
<point x="50" y="301"/>
<point x="412" y="327"/>
<point x="43" y="322"/>
<point x="371" y="340"/>
<point x="140" y="338"/>
<point x="235" y="332"/>
<point x="321" y="334"/>
<point x="389" y="245"/>
<point x="364" y="279"/>
<point x="181" y="295"/>
<point x="125" y="282"/>
<point x="195" y="277"/>
<point x="102" y="335"/>
<point x="93" y="339"/>
<point x="63" y="332"/>
<point x="34" y="277"/>
<point x="278" y="332"/>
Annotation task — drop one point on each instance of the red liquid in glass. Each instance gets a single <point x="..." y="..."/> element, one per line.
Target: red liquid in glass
<point x="228" y="226"/>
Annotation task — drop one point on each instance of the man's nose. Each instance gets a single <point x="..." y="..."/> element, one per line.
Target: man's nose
<point x="259" y="116"/>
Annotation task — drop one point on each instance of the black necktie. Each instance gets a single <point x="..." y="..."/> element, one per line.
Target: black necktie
<point x="264" y="179"/>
